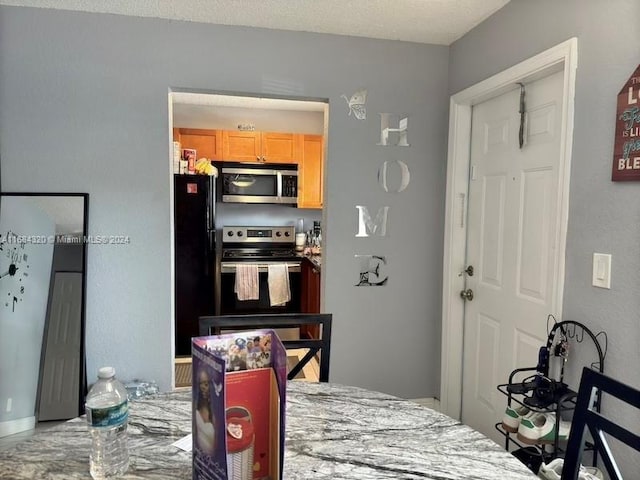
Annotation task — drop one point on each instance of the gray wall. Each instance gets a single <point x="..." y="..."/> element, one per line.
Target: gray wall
<point x="604" y="215"/>
<point x="83" y="107"/>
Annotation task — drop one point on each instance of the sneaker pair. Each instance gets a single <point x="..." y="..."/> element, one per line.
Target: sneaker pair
<point x="540" y="428"/>
<point x="553" y="471"/>
<point x="513" y="416"/>
<point x="534" y="427"/>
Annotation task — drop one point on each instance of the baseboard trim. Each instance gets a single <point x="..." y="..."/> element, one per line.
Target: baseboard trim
<point x="430" y="402"/>
<point x="11" y="427"/>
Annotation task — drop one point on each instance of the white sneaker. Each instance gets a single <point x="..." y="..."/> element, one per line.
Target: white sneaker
<point x="541" y="428"/>
<point x="590" y="473"/>
<point x="553" y="471"/>
<point x="513" y="416"/>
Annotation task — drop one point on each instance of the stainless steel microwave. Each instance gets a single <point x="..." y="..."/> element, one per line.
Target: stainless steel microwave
<point x="259" y="183"/>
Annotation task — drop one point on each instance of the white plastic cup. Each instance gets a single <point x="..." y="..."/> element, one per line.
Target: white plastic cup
<point x="301" y="239"/>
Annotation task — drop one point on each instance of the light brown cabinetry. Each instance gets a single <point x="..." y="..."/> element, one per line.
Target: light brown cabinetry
<point x="206" y="143"/>
<point x="281" y="147"/>
<point x="310" y="278"/>
<point x="241" y="146"/>
<point x="310" y="172"/>
<point x="264" y="147"/>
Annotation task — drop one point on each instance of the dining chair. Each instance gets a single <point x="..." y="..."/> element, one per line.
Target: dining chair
<point x="213" y="325"/>
<point x="586" y="416"/>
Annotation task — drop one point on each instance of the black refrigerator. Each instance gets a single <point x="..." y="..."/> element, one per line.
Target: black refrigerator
<point x="195" y="255"/>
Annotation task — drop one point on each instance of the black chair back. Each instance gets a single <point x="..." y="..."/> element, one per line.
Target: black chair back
<point x="586" y="416"/>
<point x="212" y="325"/>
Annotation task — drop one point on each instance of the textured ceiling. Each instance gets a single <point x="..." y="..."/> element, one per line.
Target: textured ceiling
<point x="438" y="22"/>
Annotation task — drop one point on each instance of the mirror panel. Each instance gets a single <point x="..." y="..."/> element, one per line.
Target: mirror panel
<point x="42" y="305"/>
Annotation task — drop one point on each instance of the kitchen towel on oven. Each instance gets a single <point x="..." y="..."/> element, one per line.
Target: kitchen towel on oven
<point x="278" y="280"/>
<point x="247" y="286"/>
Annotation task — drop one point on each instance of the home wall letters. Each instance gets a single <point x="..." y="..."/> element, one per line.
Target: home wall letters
<point x="367" y="226"/>
<point x="394" y="132"/>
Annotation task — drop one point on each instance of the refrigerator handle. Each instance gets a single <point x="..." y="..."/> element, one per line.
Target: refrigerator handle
<point x="211" y="204"/>
<point x="210" y="228"/>
<point x="209" y="254"/>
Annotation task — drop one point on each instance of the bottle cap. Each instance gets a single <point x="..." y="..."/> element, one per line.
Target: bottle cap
<point x="106" y="372"/>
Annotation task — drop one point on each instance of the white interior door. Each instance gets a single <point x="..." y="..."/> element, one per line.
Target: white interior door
<point x="513" y="221"/>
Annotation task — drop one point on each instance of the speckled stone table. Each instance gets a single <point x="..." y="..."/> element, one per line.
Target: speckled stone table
<point x="333" y="432"/>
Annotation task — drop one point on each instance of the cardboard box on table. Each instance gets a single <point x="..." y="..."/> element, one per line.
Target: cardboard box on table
<point x="239" y="396"/>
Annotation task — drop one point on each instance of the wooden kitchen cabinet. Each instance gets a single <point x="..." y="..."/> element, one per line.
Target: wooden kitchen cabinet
<point x="310" y="278"/>
<point x="206" y="143"/>
<point x="281" y="147"/>
<point x="310" y="301"/>
<point x="310" y="172"/>
<point x="264" y="147"/>
<point x="241" y="146"/>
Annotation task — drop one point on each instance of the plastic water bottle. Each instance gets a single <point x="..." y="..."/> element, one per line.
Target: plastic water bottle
<point x="107" y="412"/>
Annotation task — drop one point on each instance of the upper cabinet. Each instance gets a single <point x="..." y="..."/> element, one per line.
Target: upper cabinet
<point x="310" y="172"/>
<point x="265" y="147"/>
<point x="241" y="146"/>
<point x="206" y="143"/>
<point x="281" y="147"/>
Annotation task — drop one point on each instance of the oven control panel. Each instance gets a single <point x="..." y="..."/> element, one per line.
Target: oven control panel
<point x="258" y="234"/>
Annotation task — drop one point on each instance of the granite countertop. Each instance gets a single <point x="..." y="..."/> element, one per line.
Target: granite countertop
<point x="333" y="432"/>
<point x="316" y="260"/>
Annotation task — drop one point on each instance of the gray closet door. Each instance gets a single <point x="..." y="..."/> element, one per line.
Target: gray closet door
<point x="61" y="369"/>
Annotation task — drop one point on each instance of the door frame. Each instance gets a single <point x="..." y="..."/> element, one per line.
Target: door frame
<point x="562" y="57"/>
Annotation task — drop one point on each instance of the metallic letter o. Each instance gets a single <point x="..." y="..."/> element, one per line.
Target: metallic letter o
<point x="404" y="180"/>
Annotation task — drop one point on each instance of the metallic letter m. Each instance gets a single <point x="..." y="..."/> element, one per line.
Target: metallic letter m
<point x="368" y="227"/>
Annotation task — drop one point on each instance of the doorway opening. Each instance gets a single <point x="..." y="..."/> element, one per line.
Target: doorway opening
<point x="245" y="131"/>
<point x="561" y="58"/>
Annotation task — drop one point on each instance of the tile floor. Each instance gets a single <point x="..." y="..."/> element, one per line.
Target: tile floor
<point x="183" y="372"/>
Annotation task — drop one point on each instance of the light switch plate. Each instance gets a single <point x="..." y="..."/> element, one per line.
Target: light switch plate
<point x="601" y="270"/>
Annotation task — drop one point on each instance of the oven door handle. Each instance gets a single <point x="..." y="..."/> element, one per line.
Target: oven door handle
<point x="293" y="267"/>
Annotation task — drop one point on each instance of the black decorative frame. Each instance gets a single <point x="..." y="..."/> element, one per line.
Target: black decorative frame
<point x="85" y="226"/>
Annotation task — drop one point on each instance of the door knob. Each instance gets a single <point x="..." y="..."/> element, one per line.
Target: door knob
<point x="467" y="294"/>
<point x="468" y="271"/>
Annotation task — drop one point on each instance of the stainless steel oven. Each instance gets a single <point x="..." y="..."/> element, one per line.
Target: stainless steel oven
<point x="260" y="246"/>
<point x="259" y="183"/>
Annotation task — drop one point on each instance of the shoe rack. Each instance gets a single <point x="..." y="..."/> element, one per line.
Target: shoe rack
<point x="542" y="392"/>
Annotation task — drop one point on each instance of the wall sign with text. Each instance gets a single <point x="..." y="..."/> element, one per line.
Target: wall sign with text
<point x="394" y="130"/>
<point x="626" y="149"/>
